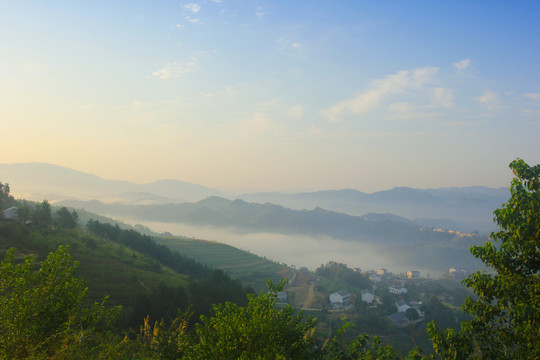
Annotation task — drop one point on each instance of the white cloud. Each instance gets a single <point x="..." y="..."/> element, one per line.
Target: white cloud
<point x="193" y="7"/>
<point x="490" y="100"/>
<point x="400" y="107"/>
<point x="257" y="124"/>
<point x="173" y="70"/>
<point x="487" y="98"/>
<point x="391" y="84"/>
<point x="463" y="64"/>
<point x="534" y="96"/>
<point x="179" y="26"/>
<point x="260" y="13"/>
<point x="193" y="20"/>
<point x="530" y="113"/>
<point x="295" y="111"/>
<point x="442" y="97"/>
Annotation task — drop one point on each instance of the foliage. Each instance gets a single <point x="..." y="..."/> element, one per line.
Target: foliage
<point x="146" y="245"/>
<point x="258" y="331"/>
<point x="506" y="310"/>
<point x="40" y="311"/>
<point x="42" y="215"/>
<point x="5" y="198"/>
<point x="67" y="219"/>
<point x="412" y="314"/>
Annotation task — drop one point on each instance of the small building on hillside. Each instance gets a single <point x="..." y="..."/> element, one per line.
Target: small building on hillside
<point x="340" y="298"/>
<point x="10" y="213"/>
<point x="413" y="274"/>
<point x="402" y="305"/>
<point x="282" y="297"/>
<point x="397" y="290"/>
<point x="399" y="318"/>
<point x="457" y="274"/>
<point x="368" y="296"/>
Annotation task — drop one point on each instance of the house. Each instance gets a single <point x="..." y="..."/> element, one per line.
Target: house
<point x="413" y="274"/>
<point x="368" y="296"/>
<point x="10" y="213"/>
<point x="282" y="297"/>
<point x="340" y="298"/>
<point x="382" y="272"/>
<point x="372" y="275"/>
<point x="398" y="318"/>
<point x="402" y="305"/>
<point x="457" y="274"/>
<point x="398" y="290"/>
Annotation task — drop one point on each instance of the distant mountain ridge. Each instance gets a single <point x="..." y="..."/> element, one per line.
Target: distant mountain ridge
<point x="464" y="209"/>
<point x="39" y="180"/>
<point x="391" y="235"/>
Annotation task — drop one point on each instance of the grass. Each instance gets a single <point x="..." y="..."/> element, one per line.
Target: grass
<point x="250" y="269"/>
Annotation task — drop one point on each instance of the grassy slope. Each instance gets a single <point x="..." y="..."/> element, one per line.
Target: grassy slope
<point x="249" y="268"/>
<point x="108" y="268"/>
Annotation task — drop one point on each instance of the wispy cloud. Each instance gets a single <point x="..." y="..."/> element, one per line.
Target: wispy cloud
<point x="260" y="12"/>
<point x="490" y="100"/>
<point x="193" y="20"/>
<point x="463" y="64"/>
<point x="380" y="88"/>
<point x="442" y="97"/>
<point x="257" y="124"/>
<point x="173" y="70"/>
<point x="488" y="97"/>
<point x="535" y="113"/>
<point x="193" y="7"/>
<point x="295" y="111"/>
<point x="533" y="96"/>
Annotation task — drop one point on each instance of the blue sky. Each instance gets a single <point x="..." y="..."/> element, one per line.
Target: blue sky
<point x="273" y="95"/>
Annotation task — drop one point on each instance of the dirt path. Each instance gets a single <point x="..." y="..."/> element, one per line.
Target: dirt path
<point x="310" y="299"/>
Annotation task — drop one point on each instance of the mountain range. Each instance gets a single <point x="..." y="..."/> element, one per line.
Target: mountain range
<point x="424" y="228"/>
<point x="463" y="209"/>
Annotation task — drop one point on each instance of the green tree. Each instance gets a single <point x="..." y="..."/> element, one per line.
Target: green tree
<point x="412" y="314"/>
<point x="506" y="308"/>
<point x="258" y="331"/>
<point x="43" y="311"/>
<point x="67" y="219"/>
<point x="5" y="198"/>
<point x="42" y="216"/>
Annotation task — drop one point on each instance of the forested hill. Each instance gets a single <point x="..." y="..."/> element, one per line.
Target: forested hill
<point x="146" y="278"/>
<point x="253" y="217"/>
<point x="397" y="239"/>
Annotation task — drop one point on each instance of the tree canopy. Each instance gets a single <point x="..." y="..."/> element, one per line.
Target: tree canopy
<point x="506" y="308"/>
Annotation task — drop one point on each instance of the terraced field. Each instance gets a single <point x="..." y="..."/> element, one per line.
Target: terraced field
<point x="249" y="268"/>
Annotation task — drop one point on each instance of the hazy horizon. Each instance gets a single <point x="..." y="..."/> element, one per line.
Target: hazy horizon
<point x="247" y="96"/>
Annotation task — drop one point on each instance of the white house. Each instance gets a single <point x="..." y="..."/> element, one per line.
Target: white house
<point x="398" y="290"/>
<point x="10" y="213"/>
<point x="281" y="297"/>
<point x="402" y="305"/>
<point x="340" y="298"/>
<point x="368" y="296"/>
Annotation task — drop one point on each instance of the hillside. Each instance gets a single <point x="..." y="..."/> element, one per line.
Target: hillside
<point x="463" y="209"/>
<point x="393" y="238"/>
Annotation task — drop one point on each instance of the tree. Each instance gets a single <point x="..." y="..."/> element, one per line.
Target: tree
<point x="43" y="311"/>
<point x="67" y="219"/>
<point x="412" y="314"/>
<point x="258" y="331"/>
<point x="42" y="216"/>
<point x="5" y="198"/>
<point x="506" y="309"/>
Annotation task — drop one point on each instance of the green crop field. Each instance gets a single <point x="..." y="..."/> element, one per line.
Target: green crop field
<point x="249" y="268"/>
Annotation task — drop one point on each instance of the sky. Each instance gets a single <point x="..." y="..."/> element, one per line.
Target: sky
<point x="248" y="96"/>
